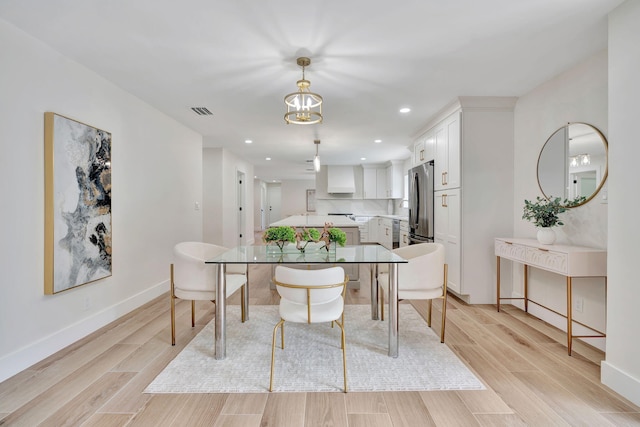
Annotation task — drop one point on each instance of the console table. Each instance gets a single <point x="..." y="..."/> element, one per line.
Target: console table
<point x="568" y="261"/>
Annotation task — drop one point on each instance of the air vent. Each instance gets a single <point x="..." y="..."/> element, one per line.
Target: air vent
<point x="202" y="111"/>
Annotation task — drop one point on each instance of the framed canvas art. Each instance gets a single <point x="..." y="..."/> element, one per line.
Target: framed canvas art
<point x="311" y="200"/>
<point x="77" y="203"/>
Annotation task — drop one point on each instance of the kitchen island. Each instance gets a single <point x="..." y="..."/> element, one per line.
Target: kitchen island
<point x="349" y="226"/>
<point x="318" y="221"/>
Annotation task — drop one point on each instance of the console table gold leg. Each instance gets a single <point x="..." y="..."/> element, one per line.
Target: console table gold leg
<point x="498" y="283"/>
<point x="526" y="288"/>
<point x="569" y="316"/>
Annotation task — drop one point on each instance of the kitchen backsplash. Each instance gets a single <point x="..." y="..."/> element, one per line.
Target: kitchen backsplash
<point x="360" y="207"/>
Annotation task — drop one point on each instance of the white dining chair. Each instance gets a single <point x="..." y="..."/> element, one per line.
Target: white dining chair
<point x="310" y="296"/>
<point x="192" y="279"/>
<point x="423" y="277"/>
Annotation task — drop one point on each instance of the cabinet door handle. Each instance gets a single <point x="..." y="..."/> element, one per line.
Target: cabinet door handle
<point x="404" y="238"/>
<point x="421" y="155"/>
<point x="543" y="250"/>
<point x="444" y="201"/>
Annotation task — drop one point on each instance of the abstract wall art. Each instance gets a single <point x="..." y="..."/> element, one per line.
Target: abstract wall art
<point x="77" y="203"/>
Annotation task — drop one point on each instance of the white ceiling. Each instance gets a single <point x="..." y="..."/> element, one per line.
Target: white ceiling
<point x="369" y="58"/>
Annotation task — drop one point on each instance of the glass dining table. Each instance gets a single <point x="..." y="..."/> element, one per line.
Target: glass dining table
<point x="354" y="254"/>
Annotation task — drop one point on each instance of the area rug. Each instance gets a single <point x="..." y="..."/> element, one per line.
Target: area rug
<point x="312" y="359"/>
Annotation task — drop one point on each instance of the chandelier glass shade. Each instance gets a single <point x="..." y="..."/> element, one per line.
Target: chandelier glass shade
<point x="580" y="160"/>
<point x="303" y="107"/>
<point x="316" y="159"/>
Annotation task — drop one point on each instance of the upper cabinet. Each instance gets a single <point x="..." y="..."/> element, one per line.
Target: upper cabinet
<point x="383" y="181"/>
<point x="447" y="153"/>
<point x="378" y="181"/>
<point x="424" y="148"/>
<point x="395" y="179"/>
<point x="374" y="182"/>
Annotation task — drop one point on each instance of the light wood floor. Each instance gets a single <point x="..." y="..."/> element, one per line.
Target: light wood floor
<point x="523" y="362"/>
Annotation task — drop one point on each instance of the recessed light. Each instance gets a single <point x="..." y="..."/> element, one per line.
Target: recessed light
<point x="248" y="141"/>
<point x="268" y="158"/>
<point x="377" y="141"/>
<point x="363" y="158"/>
<point x="405" y="110"/>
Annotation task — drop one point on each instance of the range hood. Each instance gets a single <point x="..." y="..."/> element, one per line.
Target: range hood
<point x="340" y="179"/>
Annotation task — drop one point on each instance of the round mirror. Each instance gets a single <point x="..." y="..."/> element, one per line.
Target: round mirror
<point x="573" y="163"/>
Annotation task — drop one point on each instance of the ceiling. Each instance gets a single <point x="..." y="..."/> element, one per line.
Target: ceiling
<point x="369" y="58"/>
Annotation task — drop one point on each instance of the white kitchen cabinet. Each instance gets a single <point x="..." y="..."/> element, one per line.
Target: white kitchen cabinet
<point x="424" y="148"/>
<point x="373" y="229"/>
<point x="446" y="217"/>
<point x="363" y="226"/>
<point x="385" y="232"/>
<point x="418" y="153"/>
<point x="375" y="182"/>
<point x="447" y="153"/>
<point x="474" y="198"/>
<point x="404" y="234"/>
<point x="395" y="178"/>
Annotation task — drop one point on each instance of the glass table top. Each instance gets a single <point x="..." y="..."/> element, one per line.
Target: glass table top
<point x="356" y="254"/>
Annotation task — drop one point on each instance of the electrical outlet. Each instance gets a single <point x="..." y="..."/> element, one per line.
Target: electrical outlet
<point x="578" y="304"/>
<point x="196" y="206"/>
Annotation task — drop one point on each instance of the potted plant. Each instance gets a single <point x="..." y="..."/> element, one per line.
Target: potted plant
<point x="338" y="236"/>
<point x="280" y="236"/>
<point x="544" y="215"/>
<point x="332" y="234"/>
<point x="306" y="236"/>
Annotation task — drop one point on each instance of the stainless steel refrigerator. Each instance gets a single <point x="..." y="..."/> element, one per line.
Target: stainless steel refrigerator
<point x="421" y="203"/>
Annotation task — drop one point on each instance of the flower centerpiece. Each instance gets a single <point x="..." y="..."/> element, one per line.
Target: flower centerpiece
<point x="306" y="236"/>
<point x="544" y="215"/>
<point x="282" y="235"/>
<point x="279" y="236"/>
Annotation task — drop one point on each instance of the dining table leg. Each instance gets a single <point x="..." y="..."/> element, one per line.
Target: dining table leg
<point x="393" y="310"/>
<point x="221" y="311"/>
<point x="374" y="292"/>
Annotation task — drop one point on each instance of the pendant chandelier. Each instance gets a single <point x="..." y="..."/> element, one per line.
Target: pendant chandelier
<point x="303" y="107"/>
<point x="316" y="159"/>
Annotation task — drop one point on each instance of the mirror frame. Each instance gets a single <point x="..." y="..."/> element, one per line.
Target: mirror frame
<point x="606" y="166"/>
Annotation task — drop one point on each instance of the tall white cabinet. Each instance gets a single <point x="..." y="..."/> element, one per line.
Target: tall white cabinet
<point x="471" y="143"/>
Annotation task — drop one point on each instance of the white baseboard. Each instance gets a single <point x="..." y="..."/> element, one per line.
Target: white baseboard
<point x="26" y="356"/>
<point x="620" y="382"/>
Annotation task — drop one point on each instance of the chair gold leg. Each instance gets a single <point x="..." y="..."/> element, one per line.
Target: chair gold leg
<point x="344" y="355"/>
<point x="444" y="304"/>
<point x="173" y="307"/>
<point x="242" y="313"/>
<point x="430" y="304"/>
<point x="273" y="351"/>
<point x="193" y="313"/>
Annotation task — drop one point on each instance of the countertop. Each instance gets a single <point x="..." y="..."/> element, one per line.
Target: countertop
<point x="400" y="217"/>
<point x="315" y="221"/>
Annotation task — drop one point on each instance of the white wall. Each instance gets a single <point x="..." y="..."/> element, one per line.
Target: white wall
<point x="621" y="370"/>
<point x="156" y="179"/>
<point x="294" y="196"/>
<point x="577" y="95"/>
<point x="220" y="216"/>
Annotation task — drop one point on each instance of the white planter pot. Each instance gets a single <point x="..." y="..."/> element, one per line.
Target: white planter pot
<point x="546" y="235"/>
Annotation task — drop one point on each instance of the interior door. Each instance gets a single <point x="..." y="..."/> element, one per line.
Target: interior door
<point x="274" y="202"/>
